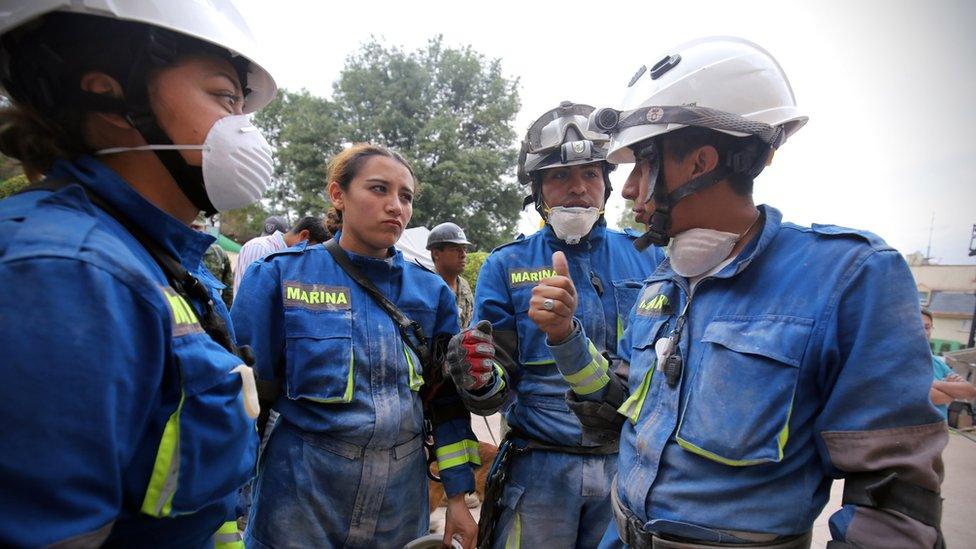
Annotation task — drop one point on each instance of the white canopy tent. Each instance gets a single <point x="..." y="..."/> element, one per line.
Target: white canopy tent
<point x="413" y="244"/>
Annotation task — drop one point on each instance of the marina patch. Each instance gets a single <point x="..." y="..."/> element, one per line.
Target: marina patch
<point x="316" y="296"/>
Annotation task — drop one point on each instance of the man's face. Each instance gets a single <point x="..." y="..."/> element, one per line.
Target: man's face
<point x="569" y="186"/>
<point x="451" y="258"/>
<point x="674" y="172"/>
<point x="927" y="326"/>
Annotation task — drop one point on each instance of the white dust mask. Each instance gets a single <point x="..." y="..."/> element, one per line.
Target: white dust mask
<point x="236" y="162"/>
<point x="698" y="251"/>
<point x="572" y="224"/>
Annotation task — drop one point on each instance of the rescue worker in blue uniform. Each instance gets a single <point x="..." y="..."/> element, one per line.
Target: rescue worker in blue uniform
<point x="125" y="421"/>
<point x="765" y="359"/>
<point x="344" y="465"/>
<point x="557" y="491"/>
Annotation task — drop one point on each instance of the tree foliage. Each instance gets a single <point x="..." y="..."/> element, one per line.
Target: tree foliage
<point x="12" y="185"/>
<point x="447" y="110"/>
<point x="473" y="268"/>
<point x="627" y="218"/>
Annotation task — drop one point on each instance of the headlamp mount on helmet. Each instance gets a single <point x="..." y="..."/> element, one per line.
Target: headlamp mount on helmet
<point x="723" y="84"/>
<point x="748" y="160"/>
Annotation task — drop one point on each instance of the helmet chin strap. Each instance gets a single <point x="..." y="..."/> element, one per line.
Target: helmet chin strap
<point x="660" y="222"/>
<point x="188" y="178"/>
<point x="159" y="48"/>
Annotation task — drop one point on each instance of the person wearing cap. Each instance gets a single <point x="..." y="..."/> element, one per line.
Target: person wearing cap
<point x="765" y="359"/>
<point x="134" y="406"/>
<point x="557" y="492"/>
<point x="449" y="250"/>
<point x="276" y="236"/>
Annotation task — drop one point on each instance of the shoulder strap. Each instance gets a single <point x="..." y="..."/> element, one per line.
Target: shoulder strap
<point x="184" y="283"/>
<point x="411" y="332"/>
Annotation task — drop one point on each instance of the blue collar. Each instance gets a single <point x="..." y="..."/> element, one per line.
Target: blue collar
<point x="392" y="262"/>
<point x="175" y="237"/>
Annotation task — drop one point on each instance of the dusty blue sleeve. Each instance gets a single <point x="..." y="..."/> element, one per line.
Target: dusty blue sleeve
<point x="456" y="444"/>
<point x="493" y="302"/>
<point x="258" y="316"/>
<point x="877" y="416"/>
<point x="82" y="368"/>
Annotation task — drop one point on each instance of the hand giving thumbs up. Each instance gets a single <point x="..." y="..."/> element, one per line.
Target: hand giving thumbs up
<point x="553" y="302"/>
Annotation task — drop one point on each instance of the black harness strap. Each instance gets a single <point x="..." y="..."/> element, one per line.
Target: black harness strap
<point x="184" y="283"/>
<point x="411" y="332"/>
<point x="413" y="335"/>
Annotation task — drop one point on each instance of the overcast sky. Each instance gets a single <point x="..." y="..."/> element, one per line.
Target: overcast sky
<point x="888" y="86"/>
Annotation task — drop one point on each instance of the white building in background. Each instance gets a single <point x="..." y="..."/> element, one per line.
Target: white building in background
<point x="949" y="291"/>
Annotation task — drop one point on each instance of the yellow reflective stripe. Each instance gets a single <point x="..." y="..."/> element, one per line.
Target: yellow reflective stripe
<point x="781" y="440"/>
<point x="620" y="328"/>
<point x="784" y="435"/>
<point x="539" y="363"/>
<point x="228" y="537"/>
<point x="592" y="377"/>
<point x="514" y="540"/>
<point x="347" y="396"/>
<point x="416" y="381"/>
<point x="633" y="405"/>
<point x="459" y="453"/>
<point x="158" y="501"/>
<point x="715" y="457"/>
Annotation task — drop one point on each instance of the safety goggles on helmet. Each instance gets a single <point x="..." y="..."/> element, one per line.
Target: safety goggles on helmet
<point x="560" y="138"/>
<point x="550" y="131"/>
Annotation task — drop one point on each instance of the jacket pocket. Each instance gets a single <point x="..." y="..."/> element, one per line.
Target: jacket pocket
<point x="208" y="444"/>
<point x="531" y="342"/>
<point x="319" y="355"/>
<point x="740" y="398"/>
<point x="625" y="292"/>
<point x="643" y="361"/>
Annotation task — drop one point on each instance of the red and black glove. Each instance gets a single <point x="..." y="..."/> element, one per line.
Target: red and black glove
<point x="471" y="358"/>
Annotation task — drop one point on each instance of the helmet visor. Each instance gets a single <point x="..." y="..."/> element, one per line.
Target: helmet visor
<point x="554" y="128"/>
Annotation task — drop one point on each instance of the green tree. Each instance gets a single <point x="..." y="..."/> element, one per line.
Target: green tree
<point x="626" y="220"/>
<point x="450" y="112"/>
<point x="447" y="110"/>
<point x="243" y="224"/>
<point x="13" y="184"/>
<point x="305" y="132"/>
<point x="473" y="268"/>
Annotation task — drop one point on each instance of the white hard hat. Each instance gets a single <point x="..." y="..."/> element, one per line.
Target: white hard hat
<point x="215" y="21"/>
<point x="717" y="75"/>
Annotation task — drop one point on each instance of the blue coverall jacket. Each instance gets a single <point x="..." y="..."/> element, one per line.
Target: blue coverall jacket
<point x="804" y="361"/>
<point x="608" y="272"/>
<point x="344" y="465"/>
<point x="123" y="423"/>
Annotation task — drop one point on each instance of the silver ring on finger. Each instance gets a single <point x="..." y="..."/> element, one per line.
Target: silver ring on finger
<point x="548" y="304"/>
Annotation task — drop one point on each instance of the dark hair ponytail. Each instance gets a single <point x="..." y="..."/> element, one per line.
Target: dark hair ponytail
<point x="38" y="141"/>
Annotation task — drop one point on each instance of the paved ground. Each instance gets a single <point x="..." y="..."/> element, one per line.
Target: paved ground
<point x="959" y="491"/>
